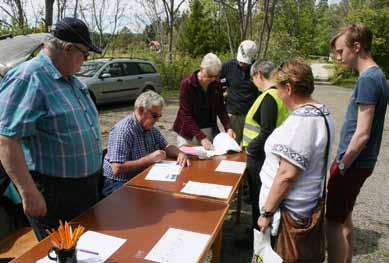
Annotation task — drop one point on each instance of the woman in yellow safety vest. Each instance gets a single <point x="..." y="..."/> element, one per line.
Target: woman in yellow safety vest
<point x="267" y="113"/>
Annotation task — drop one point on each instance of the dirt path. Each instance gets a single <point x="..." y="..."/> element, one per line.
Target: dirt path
<point x="371" y="213"/>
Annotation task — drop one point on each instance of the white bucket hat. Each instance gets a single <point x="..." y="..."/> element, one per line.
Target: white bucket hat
<point x="246" y="51"/>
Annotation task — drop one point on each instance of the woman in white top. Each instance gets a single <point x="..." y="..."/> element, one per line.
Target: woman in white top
<point x="292" y="174"/>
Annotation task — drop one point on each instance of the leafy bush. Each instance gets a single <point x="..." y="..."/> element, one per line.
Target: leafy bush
<point x="343" y="76"/>
<point x="181" y="66"/>
<point x="173" y="72"/>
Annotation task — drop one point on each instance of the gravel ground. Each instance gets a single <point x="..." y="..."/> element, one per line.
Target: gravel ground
<point x="371" y="213"/>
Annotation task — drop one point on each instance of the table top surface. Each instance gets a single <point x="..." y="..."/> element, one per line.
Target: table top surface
<point x="142" y="217"/>
<point x="200" y="171"/>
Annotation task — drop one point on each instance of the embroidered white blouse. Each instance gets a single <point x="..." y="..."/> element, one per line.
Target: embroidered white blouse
<point x="301" y="140"/>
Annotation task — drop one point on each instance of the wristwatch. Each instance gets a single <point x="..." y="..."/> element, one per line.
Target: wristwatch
<point x="267" y="214"/>
<point x="341" y="166"/>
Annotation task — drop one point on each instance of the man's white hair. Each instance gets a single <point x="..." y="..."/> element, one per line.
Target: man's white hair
<point x="149" y="99"/>
<point x="54" y="44"/>
<point x="211" y="63"/>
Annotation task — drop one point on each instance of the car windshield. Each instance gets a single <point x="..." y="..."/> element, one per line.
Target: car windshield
<point x="89" y="69"/>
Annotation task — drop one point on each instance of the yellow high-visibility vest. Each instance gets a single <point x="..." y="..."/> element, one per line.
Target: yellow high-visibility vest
<point x="251" y="127"/>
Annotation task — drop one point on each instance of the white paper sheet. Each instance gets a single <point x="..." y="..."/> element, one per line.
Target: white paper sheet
<point x="222" y="143"/>
<point x="213" y="190"/>
<point x="226" y="166"/>
<point x="103" y="244"/>
<point x="164" y="171"/>
<point x="177" y="246"/>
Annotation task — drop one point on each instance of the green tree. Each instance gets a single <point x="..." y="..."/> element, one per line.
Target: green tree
<point x="195" y="38"/>
<point x="294" y="29"/>
<point x="322" y="29"/>
<point x="378" y="22"/>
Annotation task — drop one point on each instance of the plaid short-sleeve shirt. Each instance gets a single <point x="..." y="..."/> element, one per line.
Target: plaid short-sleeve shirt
<point x="54" y="117"/>
<point x="129" y="141"/>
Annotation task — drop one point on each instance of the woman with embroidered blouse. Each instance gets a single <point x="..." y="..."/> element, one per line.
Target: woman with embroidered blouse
<point x="292" y="175"/>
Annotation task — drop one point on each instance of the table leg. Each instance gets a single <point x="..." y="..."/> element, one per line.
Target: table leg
<point x="216" y="248"/>
<point x="239" y="204"/>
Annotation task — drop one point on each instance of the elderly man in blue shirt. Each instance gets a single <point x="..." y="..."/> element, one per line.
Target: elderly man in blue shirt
<point x="49" y="130"/>
<point x="135" y="144"/>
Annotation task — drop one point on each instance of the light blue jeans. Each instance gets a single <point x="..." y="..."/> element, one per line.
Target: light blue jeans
<point x="110" y="185"/>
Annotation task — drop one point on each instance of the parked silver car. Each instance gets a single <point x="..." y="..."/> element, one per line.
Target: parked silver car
<point x="119" y="79"/>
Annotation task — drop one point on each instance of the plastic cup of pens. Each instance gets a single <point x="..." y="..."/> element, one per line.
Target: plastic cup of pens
<point x="64" y="241"/>
<point x="63" y="255"/>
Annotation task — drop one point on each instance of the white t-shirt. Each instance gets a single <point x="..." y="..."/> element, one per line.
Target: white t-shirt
<point x="301" y="140"/>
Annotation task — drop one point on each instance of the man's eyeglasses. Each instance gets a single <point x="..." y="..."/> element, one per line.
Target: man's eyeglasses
<point x="85" y="53"/>
<point x="210" y="76"/>
<point x="155" y="115"/>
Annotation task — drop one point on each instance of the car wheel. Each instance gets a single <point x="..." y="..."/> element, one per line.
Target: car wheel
<point x="147" y="88"/>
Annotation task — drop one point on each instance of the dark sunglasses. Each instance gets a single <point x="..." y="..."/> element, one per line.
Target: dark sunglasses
<point x="155" y="115"/>
<point x="85" y="53"/>
<point x="212" y="76"/>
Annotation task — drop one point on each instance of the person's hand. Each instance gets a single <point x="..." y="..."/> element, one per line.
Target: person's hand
<point x="231" y="133"/>
<point x="224" y="88"/>
<point x="334" y="168"/>
<point x="264" y="223"/>
<point x="206" y="144"/>
<point x="157" y="156"/>
<point x="34" y="203"/>
<point x="183" y="159"/>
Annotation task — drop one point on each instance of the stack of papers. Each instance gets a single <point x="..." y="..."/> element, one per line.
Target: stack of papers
<point x="164" y="171"/>
<point x="226" y="166"/>
<point x="222" y="144"/>
<point x="213" y="190"/>
<point x="177" y="246"/>
<point x="94" y="247"/>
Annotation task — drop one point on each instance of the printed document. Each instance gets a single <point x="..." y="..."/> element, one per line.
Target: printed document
<point x="94" y="247"/>
<point x="213" y="190"/>
<point x="177" y="246"/>
<point x="235" y="167"/>
<point x="164" y="171"/>
<point x="222" y="144"/>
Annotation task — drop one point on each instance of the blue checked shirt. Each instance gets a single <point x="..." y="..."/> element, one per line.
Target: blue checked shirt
<point x="129" y="141"/>
<point x="54" y="117"/>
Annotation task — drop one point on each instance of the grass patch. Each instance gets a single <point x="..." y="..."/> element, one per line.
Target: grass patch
<point x="170" y="93"/>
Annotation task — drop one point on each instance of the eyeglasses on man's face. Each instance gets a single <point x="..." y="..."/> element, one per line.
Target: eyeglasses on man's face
<point x="211" y="76"/>
<point x="155" y="115"/>
<point x="84" y="52"/>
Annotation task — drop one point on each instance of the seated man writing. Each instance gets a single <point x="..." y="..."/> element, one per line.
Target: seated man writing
<point x="135" y="144"/>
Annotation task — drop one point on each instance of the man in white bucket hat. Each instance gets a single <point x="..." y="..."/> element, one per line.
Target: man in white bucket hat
<point x="241" y="91"/>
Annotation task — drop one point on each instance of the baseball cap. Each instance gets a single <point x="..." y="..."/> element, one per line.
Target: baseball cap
<point x="246" y="51"/>
<point x="74" y="30"/>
